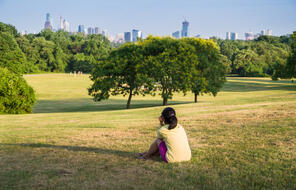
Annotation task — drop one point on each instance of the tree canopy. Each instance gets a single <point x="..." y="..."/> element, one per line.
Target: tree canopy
<point x="160" y="65"/>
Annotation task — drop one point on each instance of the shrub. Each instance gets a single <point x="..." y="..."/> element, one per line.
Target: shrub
<point x="16" y="96"/>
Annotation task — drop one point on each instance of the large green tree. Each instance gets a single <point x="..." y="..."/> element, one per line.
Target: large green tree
<point x="119" y="74"/>
<point x="209" y="74"/>
<point x="170" y="63"/>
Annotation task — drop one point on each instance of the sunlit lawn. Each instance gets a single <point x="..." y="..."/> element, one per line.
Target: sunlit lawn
<point x="245" y="138"/>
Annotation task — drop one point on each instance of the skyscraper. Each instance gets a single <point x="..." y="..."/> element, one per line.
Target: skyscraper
<point x="81" y="28"/>
<point x="105" y="33"/>
<point x="127" y="37"/>
<point x="136" y="34"/>
<point x="90" y="30"/>
<point x="66" y="25"/>
<point x="176" y="34"/>
<point x="119" y="38"/>
<point x="48" y="24"/>
<point x="233" y="36"/>
<point x="227" y="36"/>
<point x="185" y="25"/>
<point x="61" y="23"/>
<point x="267" y="32"/>
<point x="249" y="36"/>
<point x="97" y="30"/>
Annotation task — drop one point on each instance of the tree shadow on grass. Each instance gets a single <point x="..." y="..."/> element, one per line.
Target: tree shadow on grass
<point x="248" y="86"/>
<point x="120" y="153"/>
<point x="76" y="148"/>
<point x="88" y="105"/>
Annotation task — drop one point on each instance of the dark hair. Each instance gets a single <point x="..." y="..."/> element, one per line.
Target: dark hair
<point x="170" y="118"/>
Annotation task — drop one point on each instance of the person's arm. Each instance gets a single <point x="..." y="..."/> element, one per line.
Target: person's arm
<point x="161" y="122"/>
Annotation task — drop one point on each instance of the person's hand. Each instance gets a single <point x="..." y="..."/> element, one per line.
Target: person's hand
<point x="161" y="121"/>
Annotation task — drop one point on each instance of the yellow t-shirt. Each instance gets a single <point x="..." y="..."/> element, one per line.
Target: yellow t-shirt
<point x="177" y="143"/>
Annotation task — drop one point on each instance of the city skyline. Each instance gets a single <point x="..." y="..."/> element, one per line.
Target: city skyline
<point x="207" y="19"/>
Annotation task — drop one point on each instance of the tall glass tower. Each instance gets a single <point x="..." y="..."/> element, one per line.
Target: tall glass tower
<point x="185" y="25"/>
<point x="136" y="34"/>
<point x="47" y="24"/>
<point x="127" y="37"/>
<point x="81" y="28"/>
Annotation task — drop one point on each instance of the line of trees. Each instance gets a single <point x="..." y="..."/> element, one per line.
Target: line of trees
<point x="160" y="65"/>
<point x="262" y="57"/>
<point x="50" y="51"/>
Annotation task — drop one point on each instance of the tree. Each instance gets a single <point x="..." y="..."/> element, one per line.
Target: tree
<point x="11" y="56"/>
<point x="209" y="73"/>
<point x="16" y="96"/>
<point x="8" y="29"/>
<point x="291" y="63"/>
<point x="229" y="49"/>
<point x="96" y="45"/>
<point x="30" y="52"/>
<point x="170" y="63"/>
<point x="247" y="64"/>
<point x="81" y="62"/>
<point x="60" y="60"/>
<point x="119" y="74"/>
<point x="45" y="49"/>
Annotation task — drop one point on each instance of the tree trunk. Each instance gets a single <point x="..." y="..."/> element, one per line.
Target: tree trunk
<point x="165" y="101"/>
<point x="195" y="98"/>
<point x="129" y="99"/>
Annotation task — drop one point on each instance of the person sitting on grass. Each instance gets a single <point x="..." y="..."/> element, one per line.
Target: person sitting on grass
<point x="171" y="142"/>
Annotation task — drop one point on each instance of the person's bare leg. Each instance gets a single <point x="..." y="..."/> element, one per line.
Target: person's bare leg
<point x="152" y="150"/>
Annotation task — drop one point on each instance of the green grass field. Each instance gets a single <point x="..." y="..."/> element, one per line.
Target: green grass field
<point x="245" y="138"/>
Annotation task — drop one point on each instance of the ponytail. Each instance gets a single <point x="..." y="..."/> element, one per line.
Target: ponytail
<point x="173" y="121"/>
<point x="170" y="118"/>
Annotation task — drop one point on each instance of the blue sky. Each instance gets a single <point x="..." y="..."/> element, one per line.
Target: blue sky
<point x="157" y="17"/>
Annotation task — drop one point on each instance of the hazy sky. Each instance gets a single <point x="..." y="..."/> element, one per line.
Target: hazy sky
<point x="157" y="17"/>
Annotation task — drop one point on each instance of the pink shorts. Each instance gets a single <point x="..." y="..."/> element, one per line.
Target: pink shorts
<point x="162" y="150"/>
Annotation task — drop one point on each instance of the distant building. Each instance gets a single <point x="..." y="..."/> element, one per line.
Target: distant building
<point x="184" y="32"/>
<point x="24" y="32"/>
<point x="105" y="33"/>
<point x="249" y="36"/>
<point x="256" y="36"/>
<point x="97" y="30"/>
<point x="81" y="29"/>
<point x="267" y="32"/>
<point x="176" y="34"/>
<point x="127" y="37"/>
<point x="233" y="36"/>
<point x="136" y="34"/>
<point x="48" y="24"/>
<point x="227" y="36"/>
<point x="119" y="38"/>
<point x="90" y="30"/>
<point x="61" y="23"/>
<point x="66" y="25"/>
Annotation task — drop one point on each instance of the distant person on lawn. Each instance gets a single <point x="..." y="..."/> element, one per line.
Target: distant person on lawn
<point x="171" y="142"/>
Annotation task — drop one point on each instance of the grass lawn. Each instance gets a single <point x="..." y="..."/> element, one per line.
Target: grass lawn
<point x="245" y="138"/>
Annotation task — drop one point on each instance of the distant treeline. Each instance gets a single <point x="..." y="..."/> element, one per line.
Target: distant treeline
<point x="263" y="56"/>
<point x="50" y="51"/>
